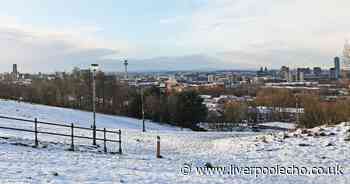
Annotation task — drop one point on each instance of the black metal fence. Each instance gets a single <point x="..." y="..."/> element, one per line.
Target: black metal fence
<point x="71" y="134"/>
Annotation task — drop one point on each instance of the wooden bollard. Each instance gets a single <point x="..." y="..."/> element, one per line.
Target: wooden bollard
<point x="158" y="147"/>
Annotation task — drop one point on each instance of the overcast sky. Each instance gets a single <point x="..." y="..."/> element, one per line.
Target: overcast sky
<point x="47" y="36"/>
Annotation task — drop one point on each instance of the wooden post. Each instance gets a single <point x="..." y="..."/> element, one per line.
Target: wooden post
<point x="36" y="132"/>
<point x="158" y="147"/>
<point x="72" y="137"/>
<point x="120" y="141"/>
<point x="104" y="140"/>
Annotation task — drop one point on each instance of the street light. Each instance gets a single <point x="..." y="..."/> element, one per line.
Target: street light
<point x="297" y="108"/>
<point x="94" y="68"/>
<point x="161" y="87"/>
<point x="143" y="110"/>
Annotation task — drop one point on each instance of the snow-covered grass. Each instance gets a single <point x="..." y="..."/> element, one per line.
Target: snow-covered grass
<point x="284" y="125"/>
<point x="265" y="127"/>
<point x="65" y="115"/>
<point x="52" y="163"/>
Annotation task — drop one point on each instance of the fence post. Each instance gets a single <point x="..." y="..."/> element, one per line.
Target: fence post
<point x="104" y="140"/>
<point x="120" y="141"/>
<point x="72" y="137"/>
<point x="158" y="147"/>
<point x="36" y="132"/>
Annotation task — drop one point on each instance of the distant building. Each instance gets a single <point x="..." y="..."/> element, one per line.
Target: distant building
<point x="290" y="77"/>
<point x="317" y="71"/>
<point x="285" y="73"/>
<point x="301" y="76"/>
<point x="305" y="70"/>
<point x="332" y="73"/>
<point x="337" y="68"/>
<point x="263" y="72"/>
<point x="346" y="56"/>
<point x="211" y="78"/>
<point x="14" y="74"/>
<point x="14" y="68"/>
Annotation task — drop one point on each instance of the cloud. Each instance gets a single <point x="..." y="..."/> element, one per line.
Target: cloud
<point x="217" y="34"/>
<point x="292" y="27"/>
<point x="171" y="20"/>
<point x="44" y="50"/>
<point x="34" y="53"/>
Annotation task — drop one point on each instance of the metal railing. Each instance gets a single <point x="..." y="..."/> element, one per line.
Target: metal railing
<point x="72" y="127"/>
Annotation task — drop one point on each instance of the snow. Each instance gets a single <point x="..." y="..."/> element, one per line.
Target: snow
<point x="284" y="125"/>
<point x="65" y="115"/>
<point x="52" y="163"/>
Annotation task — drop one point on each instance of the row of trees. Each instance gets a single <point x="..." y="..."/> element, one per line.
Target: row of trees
<point x="233" y="114"/>
<point x="311" y="109"/>
<point x="74" y="90"/>
<point x="316" y="110"/>
<point x="71" y="90"/>
<point x="238" y="112"/>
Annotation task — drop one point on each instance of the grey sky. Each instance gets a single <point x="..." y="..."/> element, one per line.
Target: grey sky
<point x="197" y="34"/>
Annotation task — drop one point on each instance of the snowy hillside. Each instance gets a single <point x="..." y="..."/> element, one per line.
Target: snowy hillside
<point x="51" y="163"/>
<point x="65" y="115"/>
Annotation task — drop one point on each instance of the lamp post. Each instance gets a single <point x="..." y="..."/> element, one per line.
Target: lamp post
<point x="94" y="68"/>
<point x="297" y="109"/>
<point x="142" y="111"/>
<point x="161" y="87"/>
<point x="160" y="104"/>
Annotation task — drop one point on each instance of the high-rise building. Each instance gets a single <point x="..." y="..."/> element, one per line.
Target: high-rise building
<point x="346" y="56"/>
<point x="336" y="68"/>
<point x="14" y="74"/>
<point x="14" y="68"/>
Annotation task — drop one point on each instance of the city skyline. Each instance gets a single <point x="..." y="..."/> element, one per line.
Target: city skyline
<point x="163" y="35"/>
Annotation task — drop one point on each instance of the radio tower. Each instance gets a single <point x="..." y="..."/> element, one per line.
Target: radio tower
<point x="126" y="69"/>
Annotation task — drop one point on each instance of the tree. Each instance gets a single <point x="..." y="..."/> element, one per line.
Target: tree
<point x="313" y="113"/>
<point x="152" y="107"/>
<point x="190" y="109"/>
<point x="317" y="112"/>
<point x="277" y="99"/>
<point x="134" y="106"/>
<point x="235" y="112"/>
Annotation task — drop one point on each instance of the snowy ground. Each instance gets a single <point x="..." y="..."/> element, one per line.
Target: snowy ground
<point x="64" y="115"/>
<point x="282" y="125"/>
<point x="51" y="163"/>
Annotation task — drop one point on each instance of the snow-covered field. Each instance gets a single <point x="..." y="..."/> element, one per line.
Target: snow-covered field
<point x="51" y="163"/>
<point x="64" y="115"/>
